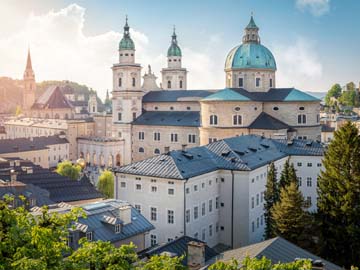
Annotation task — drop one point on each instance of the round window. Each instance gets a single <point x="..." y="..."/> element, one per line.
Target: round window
<point x="237" y="109"/>
<point x="301" y="108"/>
<point x="276" y="108"/>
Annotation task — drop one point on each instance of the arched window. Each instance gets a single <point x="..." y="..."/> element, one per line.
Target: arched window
<point x="257" y="82"/>
<point x="181" y="84"/>
<point x="169" y="84"/>
<point x="271" y="82"/>
<point x="57" y="116"/>
<point x="213" y="120"/>
<point x="302" y="119"/>
<point x="237" y="120"/>
<point x="141" y="150"/>
<point x="157" y="151"/>
<point x="241" y="82"/>
<point x="120" y="82"/>
<point x="133" y="82"/>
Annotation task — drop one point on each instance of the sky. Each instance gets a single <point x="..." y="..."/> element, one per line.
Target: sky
<point x="315" y="42"/>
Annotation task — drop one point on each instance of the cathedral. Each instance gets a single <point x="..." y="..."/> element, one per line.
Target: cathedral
<point x="153" y="120"/>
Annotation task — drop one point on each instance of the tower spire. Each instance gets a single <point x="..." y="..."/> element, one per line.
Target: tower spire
<point x="174" y="40"/>
<point x="28" y="62"/>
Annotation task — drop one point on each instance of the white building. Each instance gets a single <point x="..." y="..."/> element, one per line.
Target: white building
<point x="215" y="193"/>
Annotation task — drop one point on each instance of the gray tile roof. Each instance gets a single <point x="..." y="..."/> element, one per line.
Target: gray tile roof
<point x="266" y="121"/>
<point x="26" y="144"/>
<point x="243" y="153"/>
<point x="94" y="221"/>
<point x="276" y="249"/>
<point x="169" y="118"/>
<point x="326" y="128"/>
<point x="60" y="188"/>
<point x="178" y="247"/>
<point x="176" y="95"/>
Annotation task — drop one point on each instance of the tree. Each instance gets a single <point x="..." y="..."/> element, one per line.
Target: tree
<point x="290" y="218"/>
<point x="288" y="175"/>
<point x="260" y="264"/>
<point x="106" y="184"/>
<point x="30" y="242"/>
<point x="348" y="98"/>
<point x="271" y="195"/>
<point x="338" y="198"/>
<point x="18" y="111"/>
<point x="335" y="91"/>
<point x="66" y="168"/>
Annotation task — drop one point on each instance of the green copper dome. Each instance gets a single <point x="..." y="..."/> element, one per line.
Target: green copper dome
<point x="174" y="49"/>
<point x="250" y="55"/>
<point x="126" y="42"/>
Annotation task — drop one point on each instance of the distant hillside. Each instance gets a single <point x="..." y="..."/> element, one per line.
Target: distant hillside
<point x="10" y="91"/>
<point x="319" y="95"/>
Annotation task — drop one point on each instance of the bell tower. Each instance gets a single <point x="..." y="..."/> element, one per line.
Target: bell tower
<point x="29" y="85"/>
<point x="127" y="93"/>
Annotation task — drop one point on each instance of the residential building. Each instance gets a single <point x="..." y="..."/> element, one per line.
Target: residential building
<point x="109" y="220"/>
<point x="215" y="193"/>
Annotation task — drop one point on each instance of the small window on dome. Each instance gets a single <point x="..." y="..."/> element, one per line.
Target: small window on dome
<point x="174" y="60"/>
<point x="301" y="108"/>
<point x="276" y="108"/>
<point x="169" y="60"/>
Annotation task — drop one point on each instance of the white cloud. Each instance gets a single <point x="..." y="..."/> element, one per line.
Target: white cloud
<point x="61" y="51"/>
<point x="316" y="7"/>
<point x="298" y="65"/>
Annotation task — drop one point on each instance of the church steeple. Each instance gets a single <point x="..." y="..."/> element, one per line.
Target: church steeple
<point x="28" y="63"/>
<point x="251" y="34"/>
<point x="126" y="46"/>
<point x="29" y="84"/>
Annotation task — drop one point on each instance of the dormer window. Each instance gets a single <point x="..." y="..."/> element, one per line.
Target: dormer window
<point x="118" y="228"/>
<point x="89" y="236"/>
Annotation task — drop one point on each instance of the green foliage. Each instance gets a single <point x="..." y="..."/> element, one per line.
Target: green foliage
<point x="348" y="98"/>
<point x="338" y="201"/>
<point x="29" y="242"/>
<point x="271" y="195"/>
<point x="18" y="111"/>
<point x="66" y="168"/>
<point x="288" y="175"/>
<point x="335" y="91"/>
<point x="106" y="184"/>
<point x="290" y="218"/>
<point x="260" y="264"/>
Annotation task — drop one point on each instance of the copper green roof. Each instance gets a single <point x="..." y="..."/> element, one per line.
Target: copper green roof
<point x="226" y="95"/>
<point x="252" y="24"/>
<point x="297" y="95"/>
<point x="250" y="55"/>
<point x="126" y="42"/>
<point x="174" y="49"/>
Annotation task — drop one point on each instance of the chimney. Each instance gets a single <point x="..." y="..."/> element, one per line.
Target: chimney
<point x="125" y="214"/>
<point x="167" y="149"/>
<point x="13" y="176"/>
<point x="183" y="147"/>
<point x="195" y="255"/>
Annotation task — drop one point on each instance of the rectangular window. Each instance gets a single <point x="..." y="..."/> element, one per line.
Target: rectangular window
<point x="141" y="136"/>
<point x="253" y="226"/>
<point x="156" y="136"/>
<point x="252" y="202"/>
<point x="299" y="164"/>
<point x="309" y="181"/>
<point x="217" y="202"/>
<point x="301" y="119"/>
<point x="119" y="117"/>
<point x="211" y="140"/>
<point x="203" y="185"/>
<point x="237" y="120"/>
<point x="138" y="186"/>
<point x="210" y="205"/>
<point x="123" y="184"/>
<point x="117" y="228"/>
<point x="89" y="236"/>
<point x="171" y="191"/>
<point x="153" y="213"/>
<point x="257" y="222"/>
<point x="309" y="164"/>
<point x="319" y="164"/>
<point x="196" y="212"/>
<point x="174" y="137"/>
<point x="241" y="82"/>
<point x="138" y="207"/>
<point x="261" y="220"/>
<point x="308" y="201"/>
<point x="217" y="227"/>
<point x="153" y="239"/>
<point x="195" y="187"/>
<point x="187" y="190"/>
<point x="191" y="138"/>
<point x="203" y="234"/>
<point x="257" y="199"/>
<point x="210" y="230"/>
<point x="271" y="82"/>
<point x="257" y="82"/>
<point x="134" y="116"/>
<point x="153" y="188"/>
<point x="262" y="197"/>
<point x="299" y="181"/>
<point x="187" y="215"/>
<point x="170" y="217"/>
<point x="203" y="209"/>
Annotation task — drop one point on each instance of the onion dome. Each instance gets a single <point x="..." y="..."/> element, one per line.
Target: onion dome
<point x="126" y="42"/>
<point x="174" y="49"/>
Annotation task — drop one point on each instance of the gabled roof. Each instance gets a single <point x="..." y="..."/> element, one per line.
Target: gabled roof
<point x="266" y="121"/>
<point x="178" y="247"/>
<point x="52" y="98"/>
<point x="277" y="250"/>
<point x="169" y="118"/>
<point x="242" y="153"/>
<point x="176" y="95"/>
<point x="227" y="94"/>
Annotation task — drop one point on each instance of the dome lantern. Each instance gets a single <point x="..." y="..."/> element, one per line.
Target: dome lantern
<point x="174" y="49"/>
<point x="126" y="42"/>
